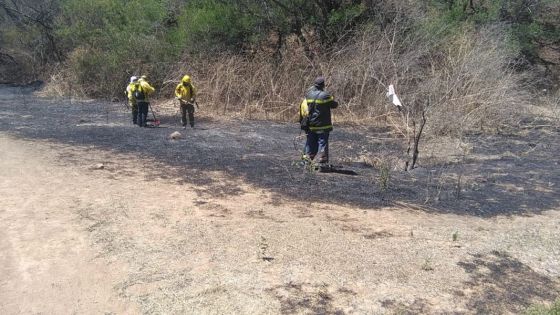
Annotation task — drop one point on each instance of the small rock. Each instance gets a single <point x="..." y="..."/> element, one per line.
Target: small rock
<point x="175" y="135"/>
<point x="99" y="166"/>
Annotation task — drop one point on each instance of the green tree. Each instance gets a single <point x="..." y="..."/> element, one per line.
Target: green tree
<point x="109" y="40"/>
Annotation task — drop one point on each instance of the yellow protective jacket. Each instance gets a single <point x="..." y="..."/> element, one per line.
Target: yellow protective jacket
<point x="185" y="93"/>
<point x="303" y="110"/>
<point x="146" y="87"/>
<point x="128" y="93"/>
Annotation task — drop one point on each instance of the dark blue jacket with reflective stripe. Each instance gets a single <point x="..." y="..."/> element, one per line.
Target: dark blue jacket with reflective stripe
<point x="320" y="103"/>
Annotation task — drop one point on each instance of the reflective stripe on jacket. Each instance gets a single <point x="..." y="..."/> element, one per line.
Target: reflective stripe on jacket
<point x="319" y="105"/>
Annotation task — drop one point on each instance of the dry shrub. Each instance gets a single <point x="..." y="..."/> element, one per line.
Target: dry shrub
<point x="252" y="87"/>
<point x="59" y="85"/>
<point x="468" y="78"/>
<point x="546" y="111"/>
<point x="475" y="85"/>
<point x="552" y="103"/>
<point x="80" y="76"/>
<point x="95" y="72"/>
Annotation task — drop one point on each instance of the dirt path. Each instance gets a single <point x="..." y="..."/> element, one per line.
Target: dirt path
<point x="47" y="264"/>
<point x="209" y="239"/>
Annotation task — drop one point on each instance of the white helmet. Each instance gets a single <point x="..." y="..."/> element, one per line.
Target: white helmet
<point x="133" y="79"/>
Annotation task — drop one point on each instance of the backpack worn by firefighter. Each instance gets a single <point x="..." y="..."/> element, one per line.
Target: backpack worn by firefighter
<point x="138" y="93"/>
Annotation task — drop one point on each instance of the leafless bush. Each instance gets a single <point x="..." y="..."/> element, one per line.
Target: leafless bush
<point x="475" y="85"/>
<point x="247" y="86"/>
<point x="468" y="79"/>
<point x="59" y="85"/>
<point x="463" y="82"/>
<point x="550" y="107"/>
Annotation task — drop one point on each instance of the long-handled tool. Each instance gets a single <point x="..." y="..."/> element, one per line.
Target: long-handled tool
<point x="155" y="122"/>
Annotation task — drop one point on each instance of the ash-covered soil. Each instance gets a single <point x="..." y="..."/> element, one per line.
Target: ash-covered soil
<point x="100" y="216"/>
<point x="512" y="173"/>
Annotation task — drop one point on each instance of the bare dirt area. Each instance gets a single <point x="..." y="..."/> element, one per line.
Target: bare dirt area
<point x="98" y="216"/>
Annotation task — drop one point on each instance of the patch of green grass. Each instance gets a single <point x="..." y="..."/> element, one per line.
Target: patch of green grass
<point x="384" y="177"/>
<point x="427" y="265"/>
<point x="540" y="309"/>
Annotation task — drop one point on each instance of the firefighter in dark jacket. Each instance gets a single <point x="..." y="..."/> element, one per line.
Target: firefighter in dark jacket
<point x="315" y="118"/>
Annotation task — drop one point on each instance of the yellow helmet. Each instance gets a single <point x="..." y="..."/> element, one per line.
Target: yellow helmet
<point x="186" y="79"/>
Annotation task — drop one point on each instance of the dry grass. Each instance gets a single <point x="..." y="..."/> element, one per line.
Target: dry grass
<point x="468" y="80"/>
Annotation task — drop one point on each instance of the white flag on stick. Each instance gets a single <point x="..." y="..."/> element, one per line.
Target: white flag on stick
<point x="393" y="98"/>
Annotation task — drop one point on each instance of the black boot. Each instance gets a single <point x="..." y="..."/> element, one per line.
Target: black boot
<point x="135" y="117"/>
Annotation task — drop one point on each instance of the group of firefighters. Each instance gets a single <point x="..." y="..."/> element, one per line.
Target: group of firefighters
<point x="314" y="112"/>
<point x="139" y="90"/>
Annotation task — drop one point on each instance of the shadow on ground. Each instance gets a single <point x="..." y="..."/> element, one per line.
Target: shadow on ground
<point x="498" y="284"/>
<point x="304" y="298"/>
<point x="504" y="175"/>
<point x="501" y="284"/>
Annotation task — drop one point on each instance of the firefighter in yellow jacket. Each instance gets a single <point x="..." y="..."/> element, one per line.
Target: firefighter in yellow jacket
<point x="185" y="92"/>
<point x="141" y="91"/>
<point x="131" y="100"/>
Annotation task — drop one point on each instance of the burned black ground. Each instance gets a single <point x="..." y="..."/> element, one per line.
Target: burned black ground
<point x="502" y="174"/>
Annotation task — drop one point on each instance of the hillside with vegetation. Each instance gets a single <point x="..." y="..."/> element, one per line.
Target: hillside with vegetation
<point x="467" y="58"/>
